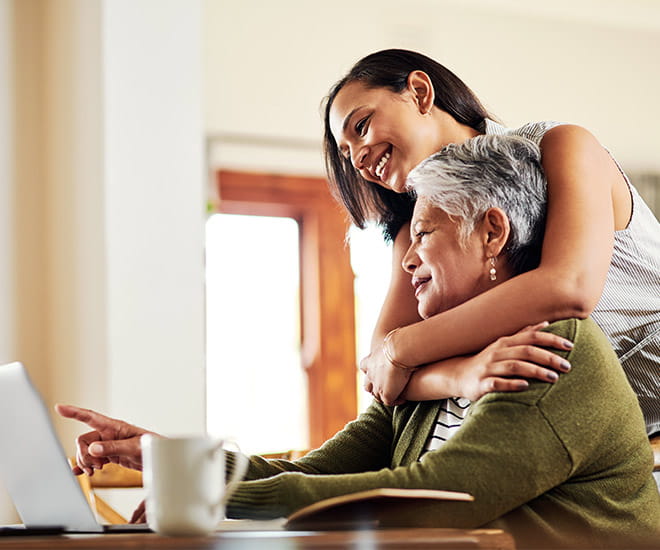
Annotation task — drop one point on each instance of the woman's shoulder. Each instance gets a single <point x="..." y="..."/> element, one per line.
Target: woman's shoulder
<point x="594" y="362"/>
<point x="582" y="332"/>
<point x="595" y="373"/>
<point x="594" y="365"/>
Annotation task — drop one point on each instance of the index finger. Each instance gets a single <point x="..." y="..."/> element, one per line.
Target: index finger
<point x="93" y="419"/>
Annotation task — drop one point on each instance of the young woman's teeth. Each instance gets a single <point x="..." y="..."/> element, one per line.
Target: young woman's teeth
<point x="382" y="163"/>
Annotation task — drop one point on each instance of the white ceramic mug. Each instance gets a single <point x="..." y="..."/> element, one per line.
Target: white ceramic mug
<point x="184" y="481"/>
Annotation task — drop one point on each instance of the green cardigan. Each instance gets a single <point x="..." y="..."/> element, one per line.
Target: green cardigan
<point x="558" y="464"/>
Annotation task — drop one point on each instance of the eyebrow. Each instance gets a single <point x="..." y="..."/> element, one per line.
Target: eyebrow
<point x="414" y="222"/>
<point x="348" y="117"/>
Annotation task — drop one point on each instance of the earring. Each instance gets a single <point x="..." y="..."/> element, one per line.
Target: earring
<point x="493" y="271"/>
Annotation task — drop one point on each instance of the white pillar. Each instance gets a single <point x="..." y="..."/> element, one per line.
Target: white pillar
<point x="102" y="207"/>
<point x="76" y="312"/>
<point x="7" y="348"/>
<point x="155" y="212"/>
<point x="126" y="210"/>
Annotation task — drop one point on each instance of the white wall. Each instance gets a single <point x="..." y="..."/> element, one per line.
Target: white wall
<point x="155" y="212"/>
<point x="592" y="63"/>
<point x="102" y="207"/>
<point x="6" y="177"/>
<point x="125" y="210"/>
<point x="73" y="186"/>
<point x="7" y="331"/>
<point x="22" y="317"/>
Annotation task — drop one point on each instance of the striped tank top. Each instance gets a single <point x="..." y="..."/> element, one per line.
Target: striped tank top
<point x="629" y="308"/>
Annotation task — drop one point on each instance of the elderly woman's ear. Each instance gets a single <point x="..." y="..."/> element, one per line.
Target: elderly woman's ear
<point x="495" y="231"/>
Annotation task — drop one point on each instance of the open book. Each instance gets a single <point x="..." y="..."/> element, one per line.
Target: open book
<point x="374" y="508"/>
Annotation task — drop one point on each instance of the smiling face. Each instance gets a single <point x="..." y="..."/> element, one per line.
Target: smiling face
<point x="444" y="273"/>
<point x="386" y="134"/>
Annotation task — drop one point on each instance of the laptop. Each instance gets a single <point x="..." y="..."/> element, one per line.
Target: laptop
<point x="34" y="467"/>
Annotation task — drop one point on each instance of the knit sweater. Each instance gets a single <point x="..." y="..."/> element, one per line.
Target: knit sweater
<point x="560" y="464"/>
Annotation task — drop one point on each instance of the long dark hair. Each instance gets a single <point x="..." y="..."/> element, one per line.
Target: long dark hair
<point x="366" y="201"/>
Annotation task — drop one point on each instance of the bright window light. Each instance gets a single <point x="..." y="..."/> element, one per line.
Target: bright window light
<point x="371" y="259"/>
<point x="256" y="387"/>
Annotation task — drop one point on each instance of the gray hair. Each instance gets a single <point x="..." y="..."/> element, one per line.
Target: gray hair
<point x="467" y="179"/>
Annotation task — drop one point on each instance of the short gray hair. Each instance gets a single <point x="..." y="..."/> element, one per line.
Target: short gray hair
<point x="486" y="171"/>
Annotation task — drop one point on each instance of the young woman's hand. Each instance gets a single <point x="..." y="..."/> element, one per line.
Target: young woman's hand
<point x="382" y="379"/>
<point x="110" y="440"/>
<point x="505" y="365"/>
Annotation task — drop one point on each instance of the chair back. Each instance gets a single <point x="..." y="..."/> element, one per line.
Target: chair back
<point x="111" y="476"/>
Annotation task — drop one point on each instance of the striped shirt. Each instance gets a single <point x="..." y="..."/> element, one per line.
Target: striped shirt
<point x="629" y="308"/>
<point x="451" y="416"/>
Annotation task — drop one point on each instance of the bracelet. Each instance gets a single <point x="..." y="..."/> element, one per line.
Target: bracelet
<point x="388" y="354"/>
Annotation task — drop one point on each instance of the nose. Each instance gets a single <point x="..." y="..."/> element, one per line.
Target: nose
<point x="410" y="260"/>
<point x="360" y="157"/>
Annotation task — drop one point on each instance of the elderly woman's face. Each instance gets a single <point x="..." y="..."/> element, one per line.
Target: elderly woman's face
<point x="384" y="134"/>
<point x="444" y="273"/>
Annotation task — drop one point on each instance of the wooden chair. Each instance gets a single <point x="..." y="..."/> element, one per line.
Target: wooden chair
<point x="112" y="476"/>
<point x="655" y="445"/>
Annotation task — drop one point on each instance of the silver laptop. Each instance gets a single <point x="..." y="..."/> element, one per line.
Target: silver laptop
<point x="33" y="465"/>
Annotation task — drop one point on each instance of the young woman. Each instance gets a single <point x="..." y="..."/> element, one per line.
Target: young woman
<point x="600" y="255"/>
<point x="555" y="466"/>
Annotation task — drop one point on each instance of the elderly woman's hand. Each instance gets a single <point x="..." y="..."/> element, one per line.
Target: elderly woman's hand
<point x="110" y="440"/>
<point x="382" y="379"/>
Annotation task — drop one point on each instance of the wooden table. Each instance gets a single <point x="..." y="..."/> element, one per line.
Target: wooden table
<point x="404" y="539"/>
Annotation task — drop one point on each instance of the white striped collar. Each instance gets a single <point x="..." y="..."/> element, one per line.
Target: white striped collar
<point x="492" y="127"/>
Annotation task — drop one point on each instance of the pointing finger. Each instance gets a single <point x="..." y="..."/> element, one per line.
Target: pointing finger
<point x="91" y="418"/>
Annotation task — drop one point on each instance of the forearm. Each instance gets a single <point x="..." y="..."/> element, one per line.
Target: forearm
<point x="400" y="305"/>
<point x="465" y="330"/>
<point x="434" y="381"/>
<point x="500" y="487"/>
<point x="478" y="322"/>
<point x="364" y="444"/>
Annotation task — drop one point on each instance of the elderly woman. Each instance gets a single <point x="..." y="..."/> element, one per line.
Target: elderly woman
<point x="556" y="464"/>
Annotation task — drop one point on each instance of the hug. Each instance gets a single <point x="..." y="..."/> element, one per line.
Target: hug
<point x="564" y="463"/>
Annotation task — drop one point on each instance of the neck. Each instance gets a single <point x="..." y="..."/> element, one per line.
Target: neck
<point x="450" y="130"/>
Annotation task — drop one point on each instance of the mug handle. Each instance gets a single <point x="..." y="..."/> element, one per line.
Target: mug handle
<point x="238" y="471"/>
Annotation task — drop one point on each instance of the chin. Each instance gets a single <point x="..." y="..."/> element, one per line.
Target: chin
<point x="427" y="310"/>
<point x="424" y="313"/>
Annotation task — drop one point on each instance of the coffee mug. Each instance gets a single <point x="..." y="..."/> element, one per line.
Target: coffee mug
<point x="184" y="481"/>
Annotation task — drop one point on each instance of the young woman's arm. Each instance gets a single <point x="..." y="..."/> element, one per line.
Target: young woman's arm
<point x="587" y="200"/>
<point x="501" y="366"/>
<point x="399" y="309"/>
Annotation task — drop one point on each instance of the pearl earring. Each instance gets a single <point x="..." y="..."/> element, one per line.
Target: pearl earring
<point x="493" y="271"/>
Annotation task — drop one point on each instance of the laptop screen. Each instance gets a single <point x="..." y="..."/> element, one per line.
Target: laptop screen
<point x="33" y="464"/>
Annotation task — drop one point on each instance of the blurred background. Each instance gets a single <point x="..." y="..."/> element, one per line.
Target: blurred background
<point x="132" y="280"/>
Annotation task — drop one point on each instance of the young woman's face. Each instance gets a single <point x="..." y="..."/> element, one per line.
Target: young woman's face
<point x="444" y="273"/>
<point x="384" y="134"/>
